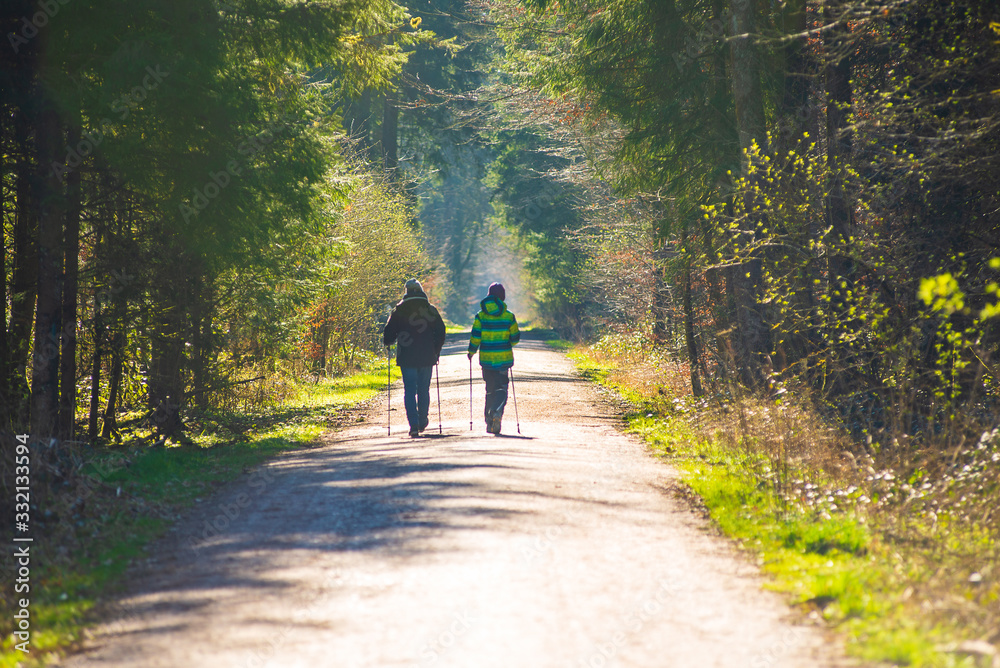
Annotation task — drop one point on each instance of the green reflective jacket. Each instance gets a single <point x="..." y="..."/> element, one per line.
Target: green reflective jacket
<point x="493" y="333"/>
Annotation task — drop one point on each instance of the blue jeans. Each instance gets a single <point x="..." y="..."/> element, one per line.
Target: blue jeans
<point x="417" y="394"/>
<point x="496" y="392"/>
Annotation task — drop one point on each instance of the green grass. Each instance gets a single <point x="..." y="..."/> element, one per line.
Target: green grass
<point x="545" y="332"/>
<point x="156" y="485"/>
<point x="830" y="565"/>
<point x="590" y="368"/>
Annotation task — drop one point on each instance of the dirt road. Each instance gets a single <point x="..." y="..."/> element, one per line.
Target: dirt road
<point x="561" y="547"/>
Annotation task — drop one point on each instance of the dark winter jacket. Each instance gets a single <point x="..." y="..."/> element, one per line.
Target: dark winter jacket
<point x="493" y="333"/>
<point x="418" y="329"/>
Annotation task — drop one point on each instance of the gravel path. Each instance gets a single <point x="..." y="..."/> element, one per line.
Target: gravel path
<point x="559" y="547"/>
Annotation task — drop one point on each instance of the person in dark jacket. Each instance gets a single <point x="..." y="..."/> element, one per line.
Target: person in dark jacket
<point x="417" y="328"/>
<point x="494" y="332"/>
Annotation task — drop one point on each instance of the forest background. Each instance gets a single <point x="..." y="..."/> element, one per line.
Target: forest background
<point x="205" y="203"/>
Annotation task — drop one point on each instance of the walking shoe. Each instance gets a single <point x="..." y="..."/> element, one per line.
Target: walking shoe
<point x="414" y="432"/>
<point x="495" y="426"/>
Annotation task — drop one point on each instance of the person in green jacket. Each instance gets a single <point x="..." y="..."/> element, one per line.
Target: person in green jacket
<point x="494" y="332"/>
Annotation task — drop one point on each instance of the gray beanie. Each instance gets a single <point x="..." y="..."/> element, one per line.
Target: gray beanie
<point x="413" y="285"/>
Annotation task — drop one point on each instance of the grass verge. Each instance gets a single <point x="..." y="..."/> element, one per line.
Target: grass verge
<point x="907" y="578"/>
<point x="122" y="498"/>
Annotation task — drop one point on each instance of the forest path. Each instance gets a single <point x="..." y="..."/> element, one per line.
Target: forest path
<point x="561" y="547"/>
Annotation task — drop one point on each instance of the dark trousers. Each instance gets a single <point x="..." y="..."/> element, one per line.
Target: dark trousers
<point x="417" y="394"/>
<point x="496" y="391"/>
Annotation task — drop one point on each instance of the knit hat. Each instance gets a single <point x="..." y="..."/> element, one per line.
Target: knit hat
<point x="496" y="290"/>
<point x="413" y="285"/>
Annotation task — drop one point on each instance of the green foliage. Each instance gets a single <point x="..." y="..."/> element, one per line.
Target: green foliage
<point x="374" y="249"/>
<point x="453" y="214"/>
<point x="442" y="158"/>
<point x="846" y="311"/>
<point x="822" y="240"/>
<point x="209" y="181"/>
<point x="653" y="67"/>
<point x="941" y="293"/>
<point x="638" y="91"/>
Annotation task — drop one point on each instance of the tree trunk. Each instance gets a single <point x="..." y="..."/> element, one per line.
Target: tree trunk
<point x="114" y="385"/>
<point x="721" y="321"/>
<point x="661" y="307"/>
<point x="95" y="371"/>
<point x="323" y="334"/>
<point x="4" y="346"/>
<point x="717" y="278"/>
<point x="692" y="344"/>
<point x="798" y="116"/>
<point x="752" y="340"/>
<point x="67" y="387"/>
<point x="839" y="97"/>
<point x="687" y="306"/>
<point x="745" y="73"/>
<point x="840" y="218"/>
<point x="796" y="111"/>
<point x="743" y="280"/>
<point x="390" y="132"/>
<point x="359" y="122"/>
<point x="24" y="288"/>
<point x="166" y="391"/>
<point x="48" y="309"/>
<point x="201" y="329"/>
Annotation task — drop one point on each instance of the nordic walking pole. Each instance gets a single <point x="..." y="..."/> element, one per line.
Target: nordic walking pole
<point x="470" y="393"/>
<point x="518" y="419"/>
<point x="388" y="388"/>
<point x="437" y="377"/>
